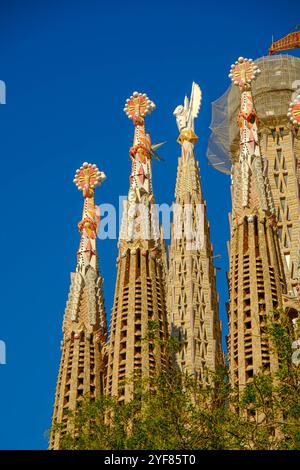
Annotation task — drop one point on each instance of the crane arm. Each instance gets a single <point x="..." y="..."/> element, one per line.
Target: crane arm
<point x="291" y="41"/>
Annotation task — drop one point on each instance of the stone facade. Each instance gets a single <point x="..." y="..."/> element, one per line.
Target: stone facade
<point x="280" y="145"/>
<point x="139" y="298"/>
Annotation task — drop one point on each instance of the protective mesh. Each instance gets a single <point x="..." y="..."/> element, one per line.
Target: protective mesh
<point x="272" y="93"/>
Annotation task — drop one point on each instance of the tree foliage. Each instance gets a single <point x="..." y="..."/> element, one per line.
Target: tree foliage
<point x="173" y="412"/>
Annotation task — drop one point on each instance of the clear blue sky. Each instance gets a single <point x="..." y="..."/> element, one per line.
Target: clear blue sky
<point x="69" y="65"/>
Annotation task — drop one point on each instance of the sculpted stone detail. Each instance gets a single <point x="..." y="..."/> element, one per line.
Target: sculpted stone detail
<point x="75" y="293"/>
<point x="294" y="111"/>
<point x="86" y="179"/>
<point x="90" y="281"/>
<point x="185" y="114"/>
<point x="260" y="181"/>
<point x="138" y="222"/>
<point x="250" y="159"/>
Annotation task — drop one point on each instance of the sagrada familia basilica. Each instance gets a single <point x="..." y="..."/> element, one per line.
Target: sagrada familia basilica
<point x="256" y="139"/>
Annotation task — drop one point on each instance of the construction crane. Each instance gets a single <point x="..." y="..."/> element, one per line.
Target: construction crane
<point x="291" y="41"/>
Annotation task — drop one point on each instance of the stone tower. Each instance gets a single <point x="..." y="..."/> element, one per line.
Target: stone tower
<point x="278" y="110"/>
<point x="256" y="276"/>
<point x="192" y="295"/>
<point x="140" y="284"/>
<point x="276" y="98"/>
<point x="82" y="365"/>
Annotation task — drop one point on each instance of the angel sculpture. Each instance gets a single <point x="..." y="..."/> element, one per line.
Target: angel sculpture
<point x="185" y="114"/>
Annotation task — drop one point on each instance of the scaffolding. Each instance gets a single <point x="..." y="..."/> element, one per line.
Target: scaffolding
<point x="272" y="92"/>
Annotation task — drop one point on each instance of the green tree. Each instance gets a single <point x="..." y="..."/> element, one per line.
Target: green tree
<point x="172" y="411"/>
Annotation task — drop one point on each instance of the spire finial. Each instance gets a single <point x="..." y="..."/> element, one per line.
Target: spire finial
<point x="138" y="106"/>
<point x="243" y="71"/>
<point x="87" y="177"/>
<point x="294" y="111"/>
<point x="186" y="114"/>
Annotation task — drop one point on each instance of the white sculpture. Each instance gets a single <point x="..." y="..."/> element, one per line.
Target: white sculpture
<point x="185" y="114"/>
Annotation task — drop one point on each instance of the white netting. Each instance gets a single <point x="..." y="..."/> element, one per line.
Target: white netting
<point x="272" y="93"/>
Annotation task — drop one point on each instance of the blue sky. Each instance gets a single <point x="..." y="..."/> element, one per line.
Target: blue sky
<point x="69" y="65"/>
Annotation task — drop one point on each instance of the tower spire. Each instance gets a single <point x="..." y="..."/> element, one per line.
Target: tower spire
<point x="140" y="284"/>
<point x="192" y="296"/>
<point x="86" y="179"/>
<point x="139" y="222"/>
<point x="256" y="277"/>
<point x="84" y="326"/>
<point x="254" y="191"/>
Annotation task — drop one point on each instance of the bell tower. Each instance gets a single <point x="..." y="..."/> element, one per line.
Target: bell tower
<point x="82" y="367"/>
